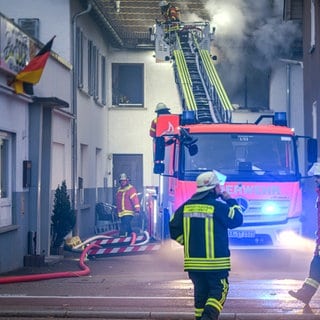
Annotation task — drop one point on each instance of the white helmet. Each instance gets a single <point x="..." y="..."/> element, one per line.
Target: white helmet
<point x="123" y="176"/>
<point x="315" y="169"/>
<point x="161" y="106"/>
<point x="163" y="3"/>
<point x="209" y="180"/>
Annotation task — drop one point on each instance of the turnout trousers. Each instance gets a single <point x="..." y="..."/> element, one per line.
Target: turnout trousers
<point x="210" y="293"/>
<point x="314" y="272"/>
<point x="125" y="225"/>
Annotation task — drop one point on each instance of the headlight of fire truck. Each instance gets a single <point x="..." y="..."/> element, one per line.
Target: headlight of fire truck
<point x="270" y="208"/>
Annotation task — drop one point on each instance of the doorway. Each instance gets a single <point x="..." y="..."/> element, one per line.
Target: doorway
<point x="132" y="165"/>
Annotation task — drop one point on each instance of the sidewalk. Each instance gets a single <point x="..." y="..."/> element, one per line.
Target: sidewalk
<point x="20" y="315"/>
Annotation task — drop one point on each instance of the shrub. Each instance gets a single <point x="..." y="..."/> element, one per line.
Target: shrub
<point x="63" y="218"/>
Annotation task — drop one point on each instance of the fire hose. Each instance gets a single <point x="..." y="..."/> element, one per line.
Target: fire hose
<point x="54" y="275"/>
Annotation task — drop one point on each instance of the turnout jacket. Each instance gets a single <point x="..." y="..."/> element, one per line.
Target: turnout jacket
<point x="127" y="201"/>
<point x="201" y="226"/>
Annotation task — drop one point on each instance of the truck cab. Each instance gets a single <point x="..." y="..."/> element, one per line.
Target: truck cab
<point x="261" y="165"/>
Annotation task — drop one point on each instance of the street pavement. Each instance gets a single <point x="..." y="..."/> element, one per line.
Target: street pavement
<point x="154" y="286"/>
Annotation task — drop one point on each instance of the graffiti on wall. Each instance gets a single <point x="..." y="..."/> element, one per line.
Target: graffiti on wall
<point x="14" y="47"/>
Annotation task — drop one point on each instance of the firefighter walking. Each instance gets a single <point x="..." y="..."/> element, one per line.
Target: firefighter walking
<point x="128" y="205"/>
<point x="201" y="225"/>
<point x="312" y="283"/>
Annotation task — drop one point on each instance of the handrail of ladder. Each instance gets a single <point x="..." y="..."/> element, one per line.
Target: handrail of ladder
<point x="184" y="77"/>
<point x="215" y="79"/>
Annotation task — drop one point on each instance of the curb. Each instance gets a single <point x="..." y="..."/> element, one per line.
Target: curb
<point x="151" y="315"/>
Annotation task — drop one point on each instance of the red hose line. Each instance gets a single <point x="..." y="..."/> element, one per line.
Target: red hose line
<point x="54" y="275"/>
<point x="134" y="238"/>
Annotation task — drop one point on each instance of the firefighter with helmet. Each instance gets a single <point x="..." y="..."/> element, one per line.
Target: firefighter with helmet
<point x="201" y="225"/>
<point x="312" y="283"/>
<point x="161" y="108"/>
<point x="128" y="204"/>
<point x="169" y="11"/>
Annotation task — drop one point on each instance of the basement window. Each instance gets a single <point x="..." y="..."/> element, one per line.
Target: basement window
<point x="127" y="84"/>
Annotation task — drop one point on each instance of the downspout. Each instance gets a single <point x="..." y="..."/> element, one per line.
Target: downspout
<point x="288" y="93"/>
<point x="75" y="108"/>
<point x="289" y="63"/>
<point x="314" y="119"/>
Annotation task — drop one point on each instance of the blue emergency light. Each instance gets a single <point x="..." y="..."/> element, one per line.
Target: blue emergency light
<point x="280" y="119"/>
<point x="188" y="117"/>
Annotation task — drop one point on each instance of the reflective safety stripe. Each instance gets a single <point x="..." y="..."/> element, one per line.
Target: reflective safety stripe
<point x="232" y="211"/>
<point x="207" y="264"/>
<point x="198" y="208"/>
<point x="198" y="312"/>
<point x="180" y="239"/>
<point x="313" y="283"/>
<point x="186" y="234"/>
<point x="209" y="227"/>
<point x="214" y="303"/>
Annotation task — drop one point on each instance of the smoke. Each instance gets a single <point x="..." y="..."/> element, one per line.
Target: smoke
<point x="249" y="35"/>
<point x="250" y="30"/>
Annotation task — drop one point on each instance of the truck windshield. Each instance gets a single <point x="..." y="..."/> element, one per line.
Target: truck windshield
<point x="246" y="157"/>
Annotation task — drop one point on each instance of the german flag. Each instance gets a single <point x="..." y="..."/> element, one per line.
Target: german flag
<point x="31" y="73"/>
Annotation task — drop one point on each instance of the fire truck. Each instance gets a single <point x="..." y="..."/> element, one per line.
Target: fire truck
<point x="260" y="159"/>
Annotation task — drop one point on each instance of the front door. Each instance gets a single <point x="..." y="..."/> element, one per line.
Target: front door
<point x="132" y="165"/>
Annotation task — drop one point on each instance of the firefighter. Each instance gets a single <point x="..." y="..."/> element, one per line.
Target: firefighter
<point x="201" y="226"/>
<point x="312" y="283"/>
<point x="161" y="108"/>
<point x="128" y="204"/>
<point x="169" y="12"/>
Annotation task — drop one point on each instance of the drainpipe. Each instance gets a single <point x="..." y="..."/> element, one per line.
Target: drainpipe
<point x="314" y="119"/>
<point x="289" y="63"/>
<point x="75" y="107"/>
<point x="288" y="93"/>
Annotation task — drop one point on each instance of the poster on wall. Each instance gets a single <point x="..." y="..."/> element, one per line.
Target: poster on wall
<point x="14" y="47"/>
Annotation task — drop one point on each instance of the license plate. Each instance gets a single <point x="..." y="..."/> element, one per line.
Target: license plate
<point x="239" y="234"/>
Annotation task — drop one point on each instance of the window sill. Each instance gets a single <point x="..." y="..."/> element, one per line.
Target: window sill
<point x="137" y="106"/>
<point x="6" y="229"/>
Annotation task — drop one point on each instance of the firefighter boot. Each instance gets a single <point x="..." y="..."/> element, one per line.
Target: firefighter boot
<point x="304" y="294"/>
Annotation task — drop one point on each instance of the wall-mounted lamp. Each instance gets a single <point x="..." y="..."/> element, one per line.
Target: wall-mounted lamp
<point x="117" y="6"/>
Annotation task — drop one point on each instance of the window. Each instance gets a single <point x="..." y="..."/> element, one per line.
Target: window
<point x="312" y="27"/>
<point x="79" y="58"/>
<point x="127" y="84"/>
<point x="30" y="26"/>
<point x="103" y="81"/>
<point x="95" y="73"/>
<point x="5" y="179"/>
<point x="90" y="67"/>
<point x="93" y="70"/>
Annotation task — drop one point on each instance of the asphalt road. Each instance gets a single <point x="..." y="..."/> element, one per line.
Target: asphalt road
<point x="153" y="285"/>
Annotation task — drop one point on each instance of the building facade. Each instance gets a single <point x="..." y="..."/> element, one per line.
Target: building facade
<point x="89" y="118"/>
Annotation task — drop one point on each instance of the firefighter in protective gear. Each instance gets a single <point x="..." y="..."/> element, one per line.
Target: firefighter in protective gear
<point x="128" y="204"/>
<point x="312" y="283"/>
<point x="161" y="108"/>
<point x="169" y="11"/>
<point x="201" y="225"/>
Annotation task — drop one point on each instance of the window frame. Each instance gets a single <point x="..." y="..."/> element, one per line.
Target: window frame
<point x="130" y="79"/>
<point x="6" y="159"/>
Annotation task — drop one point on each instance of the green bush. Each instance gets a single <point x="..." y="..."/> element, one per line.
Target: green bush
<point x="63" y="218"/>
